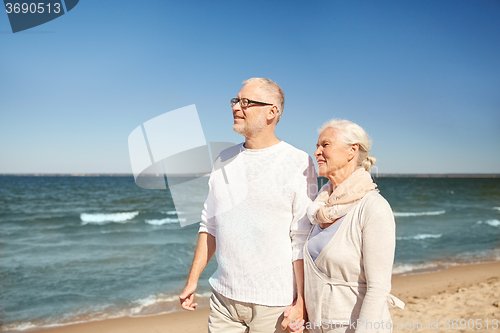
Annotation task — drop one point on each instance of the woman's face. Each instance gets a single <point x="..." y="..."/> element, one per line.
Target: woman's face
<point x="333" y="156"/>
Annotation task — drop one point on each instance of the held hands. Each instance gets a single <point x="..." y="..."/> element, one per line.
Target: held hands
<point x="187" y="297"/>
<point x="294" y="317"/>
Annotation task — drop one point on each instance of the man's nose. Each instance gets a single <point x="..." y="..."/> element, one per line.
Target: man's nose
<point x="317" y="152"/>
<point x="236" y="107"/>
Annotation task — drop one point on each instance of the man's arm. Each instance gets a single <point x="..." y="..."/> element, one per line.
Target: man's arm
<point x="306" y="191"/>
<point x="297" y="311"/>
<point x="204" y="251"/>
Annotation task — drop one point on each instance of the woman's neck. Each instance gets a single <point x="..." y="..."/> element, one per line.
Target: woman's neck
<point x="337" y="177"/>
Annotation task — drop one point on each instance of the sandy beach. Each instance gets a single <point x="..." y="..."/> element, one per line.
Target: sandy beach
<point x="468" y="294"/>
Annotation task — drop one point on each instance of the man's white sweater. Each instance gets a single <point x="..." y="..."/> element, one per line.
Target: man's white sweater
<point x="256" y="210"/>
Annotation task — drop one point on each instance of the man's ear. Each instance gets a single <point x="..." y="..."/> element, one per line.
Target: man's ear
<point x="273" y="112"/>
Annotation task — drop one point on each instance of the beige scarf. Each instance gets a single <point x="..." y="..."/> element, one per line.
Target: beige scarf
<point x="329" y="207"/>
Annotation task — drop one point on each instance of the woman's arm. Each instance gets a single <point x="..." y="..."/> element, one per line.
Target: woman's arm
<point x="378" y="245"/>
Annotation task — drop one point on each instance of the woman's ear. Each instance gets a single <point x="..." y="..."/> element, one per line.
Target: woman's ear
<point x="353" y="151"/>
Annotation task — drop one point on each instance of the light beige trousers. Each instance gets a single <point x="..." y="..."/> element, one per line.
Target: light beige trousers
<point x="230" y="316"/>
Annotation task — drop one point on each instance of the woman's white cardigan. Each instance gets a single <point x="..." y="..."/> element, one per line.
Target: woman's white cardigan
<point x="350" y="280"/>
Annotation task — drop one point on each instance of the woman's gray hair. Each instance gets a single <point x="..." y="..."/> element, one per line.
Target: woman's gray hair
<point x="274" y="91"/>
<point x="351" y="134"/>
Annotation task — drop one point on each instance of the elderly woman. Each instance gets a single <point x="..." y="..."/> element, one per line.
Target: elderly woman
<point x="349" y="254"/>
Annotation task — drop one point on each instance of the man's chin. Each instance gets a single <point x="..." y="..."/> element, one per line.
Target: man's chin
<point x="239" y="129"/>
<point x="248" y="131"/>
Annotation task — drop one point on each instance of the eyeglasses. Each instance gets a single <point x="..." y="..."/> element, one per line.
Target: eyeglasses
<point x="244" y="102"/>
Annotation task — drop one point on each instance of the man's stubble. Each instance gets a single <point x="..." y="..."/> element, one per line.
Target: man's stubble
<point x="251" y="128"/>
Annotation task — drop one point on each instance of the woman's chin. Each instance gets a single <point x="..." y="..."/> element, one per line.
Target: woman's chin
<point x="322" y="171"/>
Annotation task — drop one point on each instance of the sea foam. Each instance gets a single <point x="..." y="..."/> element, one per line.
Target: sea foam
<point x="162" y="221"/>
<point x="403" y="268"/>
<point x="19" y="327"/>
<point x="107" y="218"/>
<point x="420" y="236"/>
<point x="406" y="214"/>
<point x="172" y="212"/>
<point x="160" y="304"/>
<point x="493" y="223"/>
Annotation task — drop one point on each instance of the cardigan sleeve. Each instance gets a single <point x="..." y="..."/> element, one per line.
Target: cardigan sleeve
<point x="378" y="246"/>
<point x="306" y="190"/>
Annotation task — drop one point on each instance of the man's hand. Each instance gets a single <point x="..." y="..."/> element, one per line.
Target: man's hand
<point x="187" y="297"/>
<point x="204" y="251"/>
<point x="294" y="317"/>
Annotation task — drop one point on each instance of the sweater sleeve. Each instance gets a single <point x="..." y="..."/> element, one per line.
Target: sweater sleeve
<point x="378" y="245"/>
<point x="307" y="188"/>
<point x="208" y="220"/>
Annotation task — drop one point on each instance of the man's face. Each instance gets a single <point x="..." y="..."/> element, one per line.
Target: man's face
<point x="251" y="120"/>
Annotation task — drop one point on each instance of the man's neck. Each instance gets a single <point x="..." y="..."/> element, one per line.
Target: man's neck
<point x="261" y="141"/>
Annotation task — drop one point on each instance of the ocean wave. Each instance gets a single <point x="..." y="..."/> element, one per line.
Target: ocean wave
<point x="406" y="214"/>
<point x="172" y="212"/>
<point x="420" y="236"/>
<point x="107" y="218"/>
<point x="149" y="306"/>
<point x="408" y="268"/>
<point x="465" y="258"/>
<point x="78" y="317"/>
<point x="164" y="221"/>
<point x="19" y="327"/>
<point x="160" y="304"/>
<point x="149" y="301"/>
<point x="206" y="294"/>
<point x="493" y="223"/>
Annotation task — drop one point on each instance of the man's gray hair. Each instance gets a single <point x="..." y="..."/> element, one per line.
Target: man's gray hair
<point x="273" y="90"/>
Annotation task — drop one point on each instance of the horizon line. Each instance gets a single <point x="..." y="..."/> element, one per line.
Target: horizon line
<point x="381" y="175"/>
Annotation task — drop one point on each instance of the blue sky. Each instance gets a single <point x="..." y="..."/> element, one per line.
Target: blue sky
<point x="422" y="77"/>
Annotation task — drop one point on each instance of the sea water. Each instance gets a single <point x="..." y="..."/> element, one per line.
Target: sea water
<point x="76" y="249"/>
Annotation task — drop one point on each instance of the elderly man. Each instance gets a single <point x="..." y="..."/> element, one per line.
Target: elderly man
<point x="254" y="220"/>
